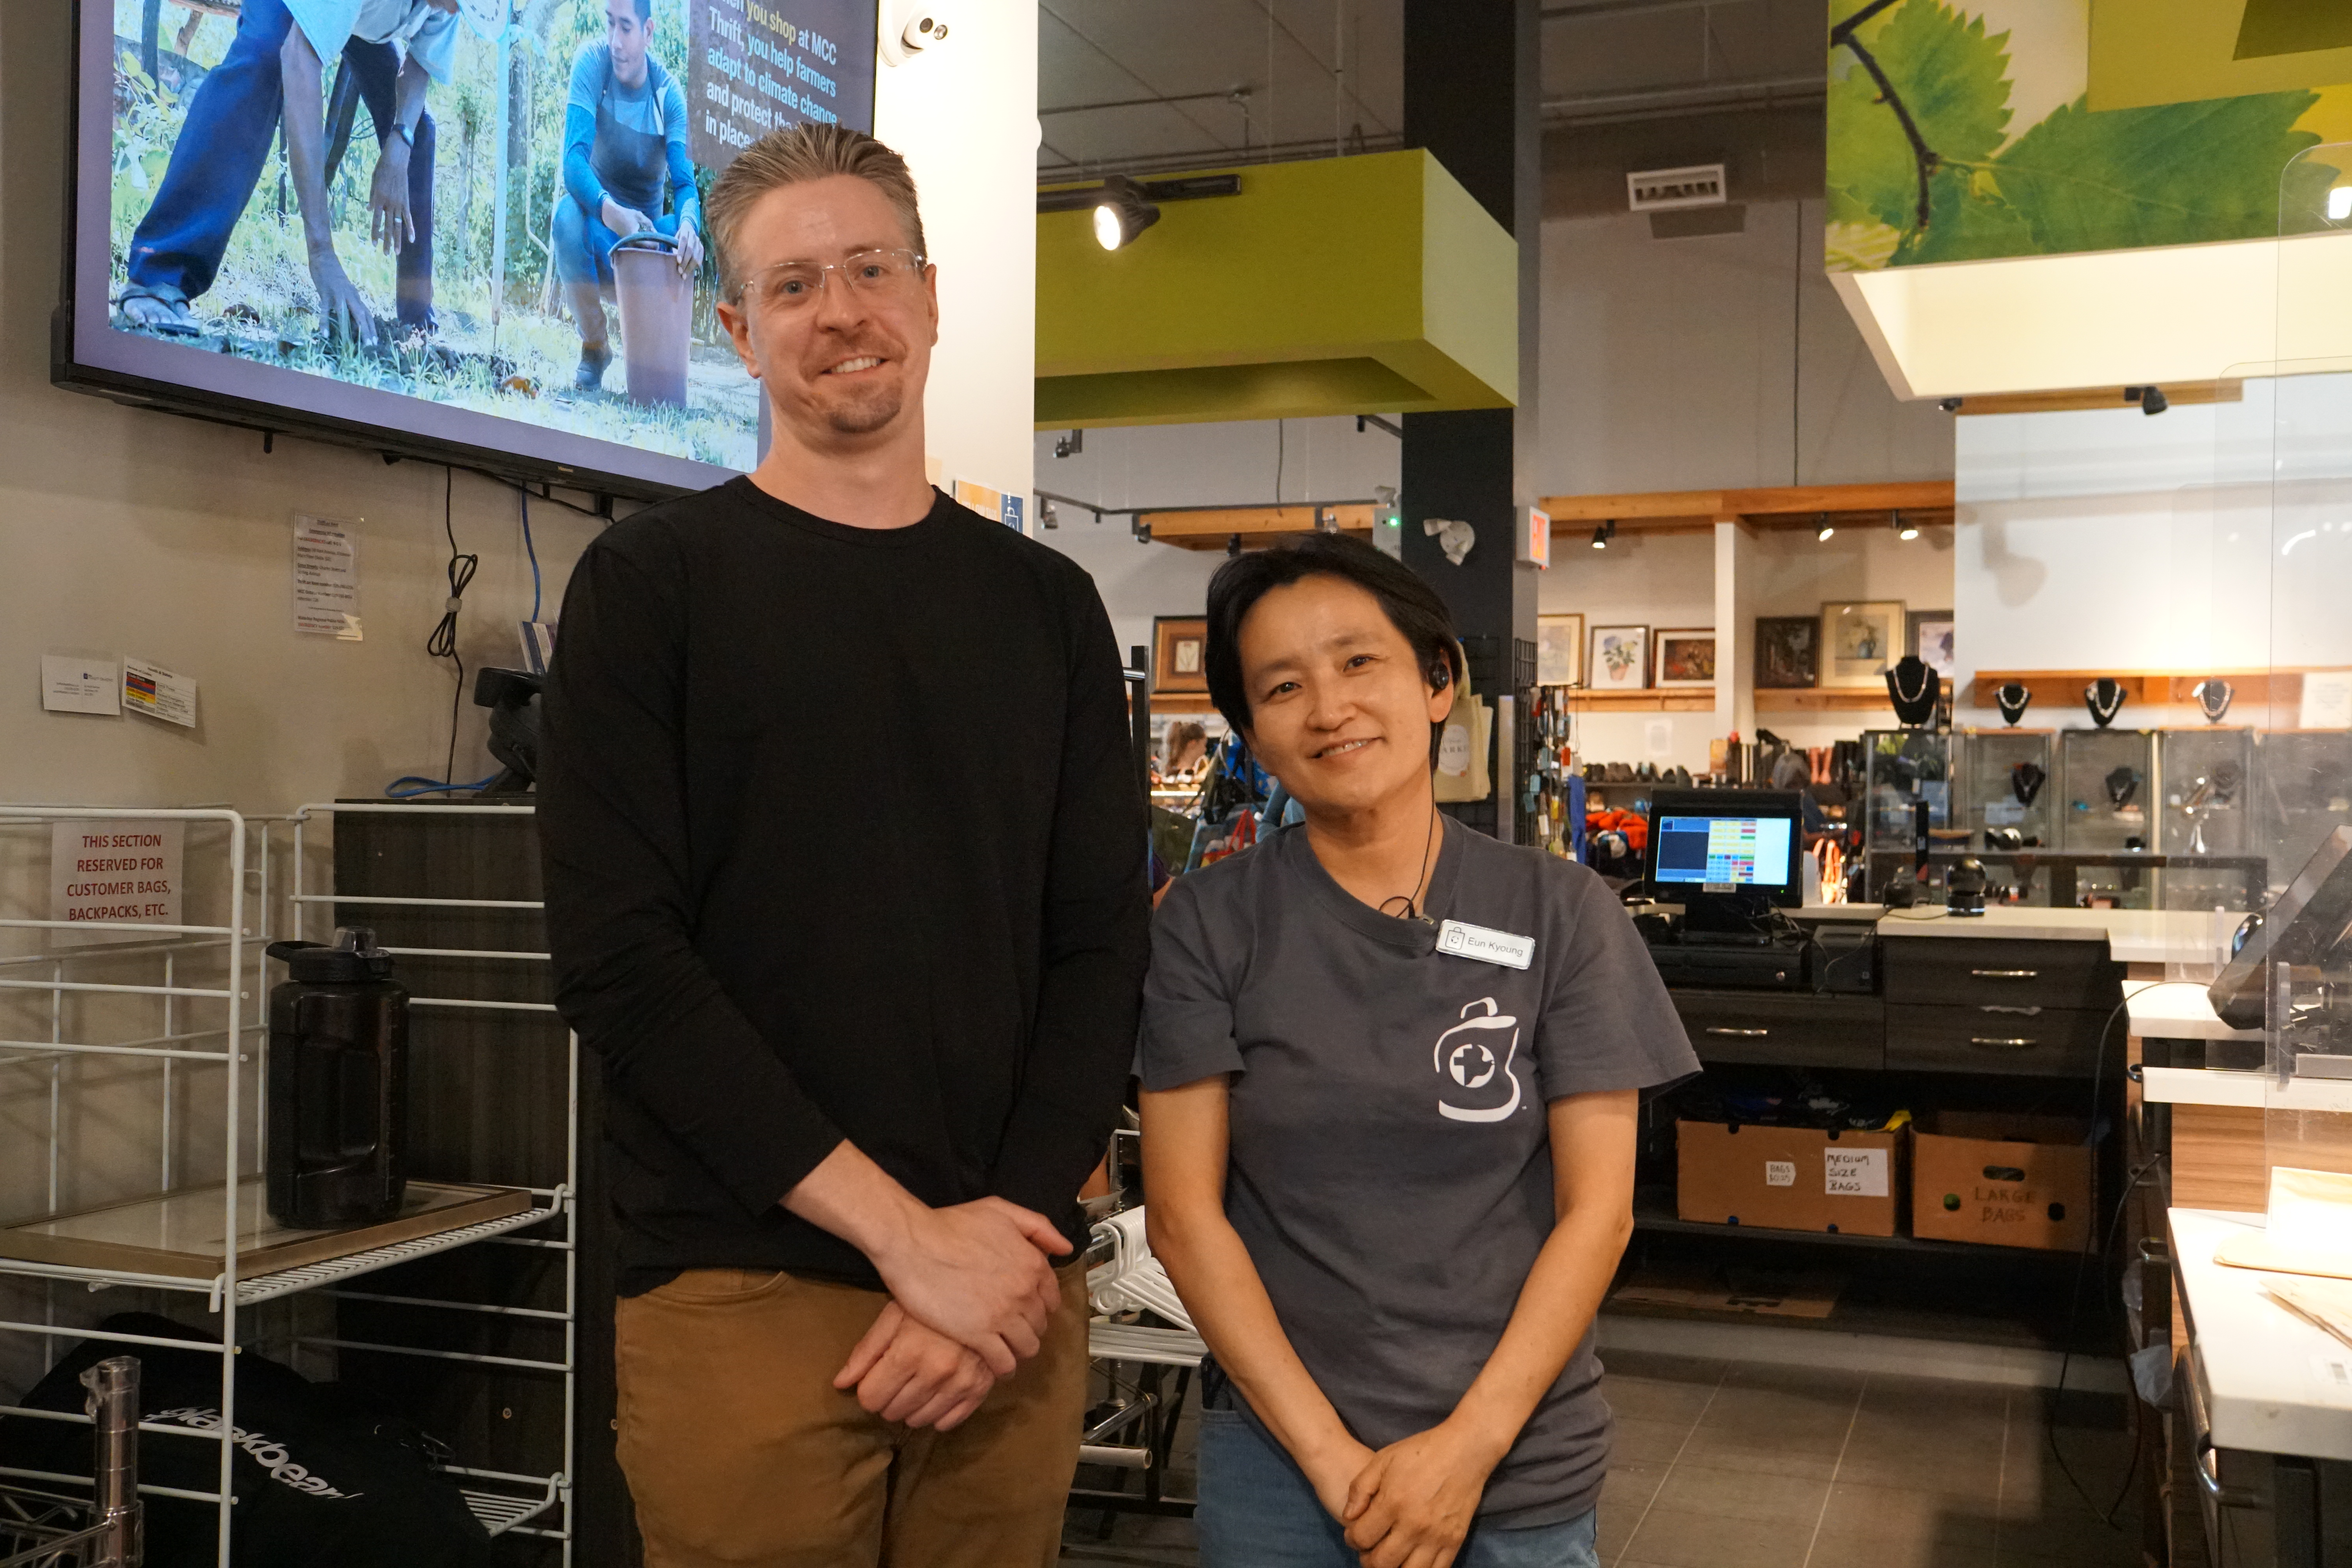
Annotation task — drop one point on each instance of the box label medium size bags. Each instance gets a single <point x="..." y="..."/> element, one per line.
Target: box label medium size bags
<point x="1789" y="1178"/>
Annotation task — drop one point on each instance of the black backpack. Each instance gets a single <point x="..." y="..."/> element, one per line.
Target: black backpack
<point x="321" y="1479"/>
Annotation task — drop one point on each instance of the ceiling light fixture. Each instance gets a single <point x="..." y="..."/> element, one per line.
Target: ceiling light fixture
<point x="1604" y="533"/>
<point x="1828" y="528"/>
<point x="1124" y="207"/>
<point x="1905" y="530"/>
<point x="1122" y="213"/>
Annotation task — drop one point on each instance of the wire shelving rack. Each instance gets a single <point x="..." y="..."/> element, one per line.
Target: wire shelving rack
<point x="176" y="1015"/>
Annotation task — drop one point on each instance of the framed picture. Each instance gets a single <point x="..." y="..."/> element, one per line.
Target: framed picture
<point x="1621" y="660"/>
<point x="1685" y="657"/>
<point x="1180" y="648"/>
<point x="1559" y="651"/>
<point x="1860" y="638"/>
<point x="1788" y="652"/>
<point x="1929" y="635"/>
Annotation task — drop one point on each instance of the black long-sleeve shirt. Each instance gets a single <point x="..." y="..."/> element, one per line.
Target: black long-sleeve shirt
<point x="842" y="838"/>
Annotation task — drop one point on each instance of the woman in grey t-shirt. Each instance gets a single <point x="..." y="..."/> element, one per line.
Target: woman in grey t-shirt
<point x="1391" y="1070"/>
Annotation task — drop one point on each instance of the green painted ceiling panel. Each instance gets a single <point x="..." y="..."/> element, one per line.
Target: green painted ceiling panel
<point x="1341" y="285"/>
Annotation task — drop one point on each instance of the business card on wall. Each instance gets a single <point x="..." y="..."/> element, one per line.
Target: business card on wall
<point x="82" y="683"/>
<point x="151" y="690"/>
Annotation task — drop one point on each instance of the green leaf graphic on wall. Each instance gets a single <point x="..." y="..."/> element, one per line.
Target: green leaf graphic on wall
<point x="1923" y="166"/>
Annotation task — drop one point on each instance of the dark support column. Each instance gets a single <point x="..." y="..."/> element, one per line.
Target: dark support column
<point x="1471" y="98"/>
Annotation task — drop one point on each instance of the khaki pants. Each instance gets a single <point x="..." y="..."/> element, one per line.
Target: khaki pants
<point x="740" y="1450"/>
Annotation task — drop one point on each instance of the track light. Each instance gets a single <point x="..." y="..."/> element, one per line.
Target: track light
<point x="1906" y="530"/>
<point x="2151" y="399"/>
<point x="1828" y="528"/>
<point x="1604" y="533"/>
<point x="1122" y="214"/>
<point x="1046" y="515"/>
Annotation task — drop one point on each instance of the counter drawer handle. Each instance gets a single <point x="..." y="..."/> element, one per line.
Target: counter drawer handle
<point x="2005" y="974"/>
<point x="2208" y="1479"/>
<point x="1737" y="1034"/>
<point x="1994" y="1040"/>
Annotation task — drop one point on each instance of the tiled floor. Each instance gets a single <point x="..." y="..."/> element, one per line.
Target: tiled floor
<point x="1739" y="1465"/>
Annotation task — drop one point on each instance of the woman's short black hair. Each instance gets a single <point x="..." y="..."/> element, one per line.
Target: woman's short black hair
<point x="1410" y="605"/>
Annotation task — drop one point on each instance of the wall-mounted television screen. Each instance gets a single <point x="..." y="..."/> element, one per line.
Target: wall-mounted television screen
<point x="458" y="229"/>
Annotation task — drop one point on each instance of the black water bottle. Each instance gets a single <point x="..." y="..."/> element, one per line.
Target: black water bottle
<point x="338" y="1084"/>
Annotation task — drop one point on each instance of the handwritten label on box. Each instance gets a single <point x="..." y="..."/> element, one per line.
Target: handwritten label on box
<point x="1854" y="1173"/>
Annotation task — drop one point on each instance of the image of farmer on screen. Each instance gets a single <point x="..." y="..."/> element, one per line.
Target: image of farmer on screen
<point x="389" y="54"/>
<point x="626" y="161"/>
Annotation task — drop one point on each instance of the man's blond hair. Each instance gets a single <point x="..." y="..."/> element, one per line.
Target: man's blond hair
<point x="793" y="157"/>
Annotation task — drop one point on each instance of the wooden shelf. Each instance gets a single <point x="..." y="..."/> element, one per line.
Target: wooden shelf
<point x="1926" y="501"/>
<point x="2064" y="687"/>
<point x="1253" y="525"/>
<point x="1654" y="700"/>
<point x="1181" y="702"/>
<point x="1820" y="699"/>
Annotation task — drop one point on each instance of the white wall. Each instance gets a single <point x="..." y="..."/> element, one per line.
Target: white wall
<point x="1667" y="364"/>
<point x="964" y="117"/>
<point x="2111" y="540"/>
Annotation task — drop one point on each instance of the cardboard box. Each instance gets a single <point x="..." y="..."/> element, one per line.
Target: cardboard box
<point x="1789" y="1178"/>
<point x="2002" y="1180"/>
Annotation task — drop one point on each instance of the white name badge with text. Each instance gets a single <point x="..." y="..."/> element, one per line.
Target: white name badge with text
<point x="1462" y="939"/>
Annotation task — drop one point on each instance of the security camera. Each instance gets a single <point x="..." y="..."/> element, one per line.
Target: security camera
<point x="910" y="27"/>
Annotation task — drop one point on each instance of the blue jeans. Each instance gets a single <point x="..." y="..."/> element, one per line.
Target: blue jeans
<point x="223" y="144"/>
<point x="1259" y="1510"/>
<point x="584" y="246"/>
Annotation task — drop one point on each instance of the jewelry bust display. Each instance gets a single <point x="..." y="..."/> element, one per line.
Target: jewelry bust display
<point x="2213" y="695"/>
<point x="1914" y="687"/>
<point x="2013" y="700"/>
<point x="2104" y="698"/>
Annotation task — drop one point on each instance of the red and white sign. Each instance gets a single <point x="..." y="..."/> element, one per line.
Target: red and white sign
<point x="1535" y="537"/>
<point x="115" y="870"/>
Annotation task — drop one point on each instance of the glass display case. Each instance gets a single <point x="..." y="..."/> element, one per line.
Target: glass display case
<point x="2105" y="791"/>
<point x="2301" y="793"/>
<point x="1908" y="770"/>
<point x="2205" y="777"/>
<point x="2006" y="789"/>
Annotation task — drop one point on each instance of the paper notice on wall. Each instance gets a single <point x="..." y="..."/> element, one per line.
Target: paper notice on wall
<point x="75" y="683"/>
<point x="1854" y="1173"/>
<point x="116" y="871"/>
<point x="157" y="693"/>
<point x="2326" y="699"/>
<point x="326" y="579"/>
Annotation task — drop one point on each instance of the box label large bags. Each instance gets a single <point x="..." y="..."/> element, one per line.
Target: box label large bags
<point x="2002" y="1179"/>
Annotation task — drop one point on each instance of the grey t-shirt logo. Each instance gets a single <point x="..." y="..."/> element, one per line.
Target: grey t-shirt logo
<point x="1471" y="1058"/>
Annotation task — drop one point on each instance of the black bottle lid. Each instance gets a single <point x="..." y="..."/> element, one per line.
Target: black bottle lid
<point x="352" y="960"/>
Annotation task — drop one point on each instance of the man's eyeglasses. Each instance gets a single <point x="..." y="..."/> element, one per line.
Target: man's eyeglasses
<point x="792" y="285"/>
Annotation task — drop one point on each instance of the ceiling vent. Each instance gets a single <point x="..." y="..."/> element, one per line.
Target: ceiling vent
<point x="1666" y="190"/>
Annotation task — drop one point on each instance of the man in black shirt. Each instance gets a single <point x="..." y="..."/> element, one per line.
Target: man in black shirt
<point x="845" y="860"/>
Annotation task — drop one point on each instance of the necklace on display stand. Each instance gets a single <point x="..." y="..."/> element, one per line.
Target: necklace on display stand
<point x="2013" y="700"/>
<point x="2213" y="695"/>
<point x="2104" y="698"/>
<point x="1914" y="687"/>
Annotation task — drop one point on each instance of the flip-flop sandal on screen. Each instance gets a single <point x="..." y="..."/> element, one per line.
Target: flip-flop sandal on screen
<point x="175" y="319"/>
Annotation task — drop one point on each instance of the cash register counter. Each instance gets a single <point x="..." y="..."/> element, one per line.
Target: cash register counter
<point x="2013" y="992"/>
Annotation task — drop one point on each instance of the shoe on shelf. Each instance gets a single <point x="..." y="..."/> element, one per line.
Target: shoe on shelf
<point x="594" y="359"/>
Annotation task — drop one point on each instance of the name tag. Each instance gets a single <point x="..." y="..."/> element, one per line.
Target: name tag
<point x="1463" y="940"/>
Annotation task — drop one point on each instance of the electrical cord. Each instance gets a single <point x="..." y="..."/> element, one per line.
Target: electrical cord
<point x="442" y="641"/>
<point x="531" y="550"/>
<point x="2082" y="1268"/>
